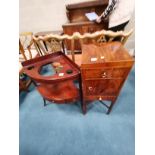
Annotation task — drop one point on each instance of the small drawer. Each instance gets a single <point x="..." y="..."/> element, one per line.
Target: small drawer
<point x="98" y="73"/>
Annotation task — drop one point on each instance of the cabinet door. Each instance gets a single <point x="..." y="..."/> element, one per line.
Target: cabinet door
<point x="91" y="28"/>
<point x="70" y="30"/>
<point x="102" y="87"/>
<point x="98" y="73"/>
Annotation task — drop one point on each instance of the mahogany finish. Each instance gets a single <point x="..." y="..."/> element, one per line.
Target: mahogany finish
<point x="78" y="22"/>
<point x="103" y="79"/>
<point x="88" y="4"/>
<point x="82" y="28"/>
<point x="55" y="88"/>
<point x="62" y="92"/>
<point x="76" y="12"/>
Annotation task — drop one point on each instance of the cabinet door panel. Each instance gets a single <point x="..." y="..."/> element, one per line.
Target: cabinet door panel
<point x="70" y="30"/>
<point x="102" y="87"/>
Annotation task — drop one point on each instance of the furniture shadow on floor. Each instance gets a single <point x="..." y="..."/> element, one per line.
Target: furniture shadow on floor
<point x="71" y="108"/>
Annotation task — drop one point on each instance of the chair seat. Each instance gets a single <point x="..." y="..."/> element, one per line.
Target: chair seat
<point x="60" y="93"/>
<point x="78" y="58"/>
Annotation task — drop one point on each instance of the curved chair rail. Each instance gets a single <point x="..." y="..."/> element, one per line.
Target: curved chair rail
<point x="101" y="35"/>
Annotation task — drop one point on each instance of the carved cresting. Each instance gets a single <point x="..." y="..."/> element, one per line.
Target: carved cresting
<point x="99" y="36"/>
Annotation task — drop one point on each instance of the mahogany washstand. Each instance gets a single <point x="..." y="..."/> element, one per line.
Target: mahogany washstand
<point x="104" y="69"/>
<point x="57" y="88"/>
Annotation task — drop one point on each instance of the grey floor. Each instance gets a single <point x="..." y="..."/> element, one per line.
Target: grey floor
<point x="64" y="130"/>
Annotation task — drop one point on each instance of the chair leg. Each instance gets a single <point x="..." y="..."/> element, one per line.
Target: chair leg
<point x="44" y="102"/>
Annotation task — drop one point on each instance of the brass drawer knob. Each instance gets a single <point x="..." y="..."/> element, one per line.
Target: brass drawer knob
<point x="100" y="98"/>
<point x="104" y="74"/>
<point x="90" y="88"/>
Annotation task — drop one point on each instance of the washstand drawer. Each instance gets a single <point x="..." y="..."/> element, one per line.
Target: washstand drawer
<point x="108" y="87"/>
<point x="98" y="73"/>
<point x="106" y="73"/>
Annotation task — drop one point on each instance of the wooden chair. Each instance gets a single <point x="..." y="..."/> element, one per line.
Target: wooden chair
<point x="27" y="49"/>
<point x="26" y="52"/>
<point x="49" y="45"/>
<point x="96" y="37"/>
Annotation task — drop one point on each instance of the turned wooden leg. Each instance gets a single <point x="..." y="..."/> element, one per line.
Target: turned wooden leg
<point x="83" y="103"/>
<point x="111" y="106"/>
<point x="84" y="107"/>
<point x="44" y="102"/>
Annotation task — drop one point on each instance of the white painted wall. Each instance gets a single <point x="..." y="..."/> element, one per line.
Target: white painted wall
<point x="45" y="15"/>
<point x="42" y="15"/>
<point x="131" y="41"/>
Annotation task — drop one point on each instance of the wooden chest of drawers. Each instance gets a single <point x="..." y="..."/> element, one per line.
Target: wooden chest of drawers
<point x="104" y="70"/>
